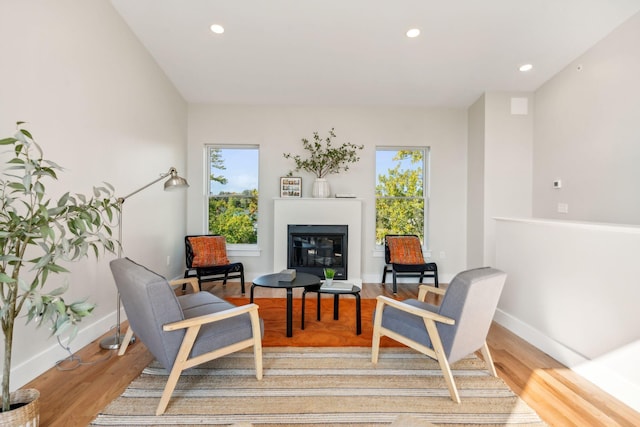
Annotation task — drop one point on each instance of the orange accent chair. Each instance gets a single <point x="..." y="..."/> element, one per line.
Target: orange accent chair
<point x="403" y="257"/>
<point x="206" y="258"/>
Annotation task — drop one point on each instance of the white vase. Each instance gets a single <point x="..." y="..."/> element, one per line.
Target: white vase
<point x="321" y="188"/>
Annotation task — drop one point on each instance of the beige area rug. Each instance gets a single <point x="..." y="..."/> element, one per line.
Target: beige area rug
<point x="321" y="387"/>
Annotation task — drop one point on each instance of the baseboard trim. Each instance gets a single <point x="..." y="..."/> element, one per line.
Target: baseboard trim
<point x="375" y="278"/>
<point x="609" y="381"/>
<point x="35" y="366"/>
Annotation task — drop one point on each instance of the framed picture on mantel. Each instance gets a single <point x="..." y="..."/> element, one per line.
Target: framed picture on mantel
<point x="290" y="186"/>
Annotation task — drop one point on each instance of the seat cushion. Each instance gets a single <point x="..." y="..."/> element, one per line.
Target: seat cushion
<point x="409" y="325"/>
<point x="201" y="303"/>
<point x="405" y="250"/>
<point x="209" y="250"/>
<point x="216" y="335"/>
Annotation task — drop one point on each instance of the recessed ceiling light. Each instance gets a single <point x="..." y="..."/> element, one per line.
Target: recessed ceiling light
<point x="526" y="67"/>
<point x="218" y="29"/>
<point x="414" y="32"/>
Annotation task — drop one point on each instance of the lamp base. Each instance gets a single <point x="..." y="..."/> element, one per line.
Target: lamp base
<point x="114" y="342"/>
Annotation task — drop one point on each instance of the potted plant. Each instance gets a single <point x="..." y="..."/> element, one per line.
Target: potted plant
<point x="325" y="159"/>
<point x="36" y="235"/>
<point x="329" y="274"/>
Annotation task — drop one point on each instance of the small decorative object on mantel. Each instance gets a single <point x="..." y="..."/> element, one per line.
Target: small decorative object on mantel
<point x="324" y="160"/>
<point x="290" y="186"/>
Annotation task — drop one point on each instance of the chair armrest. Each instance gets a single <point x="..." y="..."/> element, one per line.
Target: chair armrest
<point x="425" y="314"/>
<point x="214" y="317"/>
<point x="423" y="290"/>
<point x="193" y="281"/>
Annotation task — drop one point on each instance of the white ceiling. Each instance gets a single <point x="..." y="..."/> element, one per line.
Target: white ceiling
<point x="355" y="52"/>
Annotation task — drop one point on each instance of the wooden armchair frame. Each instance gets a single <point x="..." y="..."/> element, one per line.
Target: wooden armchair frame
<point x="192" y="326"/>
<point x="430" y="319"/>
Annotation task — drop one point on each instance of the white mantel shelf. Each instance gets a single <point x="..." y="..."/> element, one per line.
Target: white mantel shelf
<point x="317" y="211"/>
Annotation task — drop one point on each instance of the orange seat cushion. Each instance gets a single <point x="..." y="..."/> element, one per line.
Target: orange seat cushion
<point x="405" y="250"/>
<point x="209" y="251"/>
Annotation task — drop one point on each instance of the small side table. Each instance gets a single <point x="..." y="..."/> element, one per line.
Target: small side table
<point x="355" y="291"/>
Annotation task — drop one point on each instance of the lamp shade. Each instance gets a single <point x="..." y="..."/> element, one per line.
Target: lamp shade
<point x="175" y="181"/>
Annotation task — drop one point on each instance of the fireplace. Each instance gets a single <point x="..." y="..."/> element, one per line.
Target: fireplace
<point x="295" y="210"/>
<point x="312" y="248"/>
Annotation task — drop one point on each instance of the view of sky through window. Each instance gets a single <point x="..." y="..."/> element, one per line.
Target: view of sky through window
<point x="384" y="162"/>
<point x="241" y="167"/>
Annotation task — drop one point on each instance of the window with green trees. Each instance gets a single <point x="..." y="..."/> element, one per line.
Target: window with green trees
<point x="401" y="192"/>
<point x="233" y="193"/>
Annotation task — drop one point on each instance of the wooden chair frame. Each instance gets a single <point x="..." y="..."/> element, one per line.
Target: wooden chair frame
<point x="192" y="326"/>
<point x="430" y="319"/>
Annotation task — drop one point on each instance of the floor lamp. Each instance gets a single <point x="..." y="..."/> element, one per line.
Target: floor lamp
<point x="174" y="182"/>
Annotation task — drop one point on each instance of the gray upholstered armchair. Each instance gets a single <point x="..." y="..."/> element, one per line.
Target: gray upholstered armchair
<point x="183" y="331"/>
<point x="448" y="332"/>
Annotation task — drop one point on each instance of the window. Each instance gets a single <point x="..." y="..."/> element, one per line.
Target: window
<point x="233" y="193"/>
<point x="401" y="192"/>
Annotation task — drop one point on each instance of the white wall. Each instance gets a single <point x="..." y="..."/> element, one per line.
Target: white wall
<point x="586" y="133"/>
<point x="508" y="167"/>
<point x="475" y="184"/>
<point x="499" y="183"/>
<point x="572" y="287"/>
<point x="98" y="105"/>
<point x="580" y="309"/>
<point x="279" y="129"/>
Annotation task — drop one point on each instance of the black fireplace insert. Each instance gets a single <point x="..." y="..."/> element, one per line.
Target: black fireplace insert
<point x="312" y="248"/>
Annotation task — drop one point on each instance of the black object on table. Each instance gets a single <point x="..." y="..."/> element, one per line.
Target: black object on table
<point x="355" y="291"/>
<point x="302" y="280"/>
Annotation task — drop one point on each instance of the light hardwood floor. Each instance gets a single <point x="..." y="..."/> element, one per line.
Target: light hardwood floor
<point x="561" y="397"/>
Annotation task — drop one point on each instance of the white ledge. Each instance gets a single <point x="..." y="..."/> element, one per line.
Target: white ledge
<point x="623" y="228"/>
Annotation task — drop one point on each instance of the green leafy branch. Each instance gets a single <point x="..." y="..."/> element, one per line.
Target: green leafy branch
<point x="325" y="159"/>
<point x="37" y="234"/>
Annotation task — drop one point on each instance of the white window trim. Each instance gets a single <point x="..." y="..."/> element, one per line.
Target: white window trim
<point x="233" y="249"/>
<point x="378" y="251"/>
<point x="244" y="250"/>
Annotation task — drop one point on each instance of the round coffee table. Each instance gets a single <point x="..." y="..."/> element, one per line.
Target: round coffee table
<point x="273" y="281"/>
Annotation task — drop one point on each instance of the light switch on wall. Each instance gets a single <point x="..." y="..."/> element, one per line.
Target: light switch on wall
<point x="563" y="208"/>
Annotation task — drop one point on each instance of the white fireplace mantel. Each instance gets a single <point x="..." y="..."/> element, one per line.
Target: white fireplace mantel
<point x="312" y="211"/>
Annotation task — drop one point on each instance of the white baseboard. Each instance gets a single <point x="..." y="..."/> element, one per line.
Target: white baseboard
<point x="375" y="278"/>
<point x="47" y="358"/>
<point x="609" y="381"/>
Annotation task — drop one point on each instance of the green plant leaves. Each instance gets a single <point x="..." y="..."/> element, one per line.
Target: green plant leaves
<point x="325" y="159"/>
<point x="37" y="233"/>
